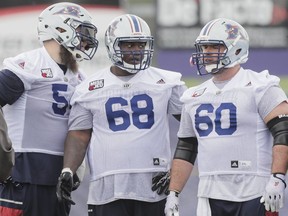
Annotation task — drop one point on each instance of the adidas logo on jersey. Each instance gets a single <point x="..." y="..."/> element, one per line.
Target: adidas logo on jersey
<point x="156" y="161"/>
<point x="161" y="81"/>
<point x="96" y="84"/>
<point x="22" y="65"/>
<point x="160" y="161"/>
<point x="234" y="164"/>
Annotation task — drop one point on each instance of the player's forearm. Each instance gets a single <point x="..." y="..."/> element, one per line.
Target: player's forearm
<point x="180" y="174"/>
<point x="75" y="148"/>
<point x="280" y="159"/>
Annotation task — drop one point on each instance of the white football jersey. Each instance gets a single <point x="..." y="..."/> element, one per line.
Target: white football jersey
<point x="130" y="123"/>
<point x="38" y="120"/>
<point x="233" y="139"/>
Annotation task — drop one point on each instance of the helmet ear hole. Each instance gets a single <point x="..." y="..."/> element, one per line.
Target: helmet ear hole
<point x="238" y="51"/>
<point x="61" y="30"/>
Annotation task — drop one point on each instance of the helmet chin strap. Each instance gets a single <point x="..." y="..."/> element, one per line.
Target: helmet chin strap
<point x="209" y="68"/>
<point x="213" y="69"/>
<point x="132" y="68"/>
<point x="127" y="67"/>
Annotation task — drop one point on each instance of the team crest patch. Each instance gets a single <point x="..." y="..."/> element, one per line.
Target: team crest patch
<point x="96" y="84"/>
<point x="47" y="73"/>
<point x="113" y="27"/>
<point x="233" y="31"/>
<point x="198" y="92"/>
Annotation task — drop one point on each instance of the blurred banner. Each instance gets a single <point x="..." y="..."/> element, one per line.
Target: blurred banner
<point x="14" y="3"/>
<point x="266" y="21"/>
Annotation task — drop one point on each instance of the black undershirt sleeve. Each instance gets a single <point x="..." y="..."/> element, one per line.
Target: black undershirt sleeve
<point x="11" y="87"/>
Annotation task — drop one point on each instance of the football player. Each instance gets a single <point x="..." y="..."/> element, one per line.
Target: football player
<point x="120" y="116"/>
<point x="35" y="90"/>
<point x="236" y="124"/>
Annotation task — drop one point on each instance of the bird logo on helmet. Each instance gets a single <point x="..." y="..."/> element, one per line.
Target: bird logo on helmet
<point x="70" y="10"/>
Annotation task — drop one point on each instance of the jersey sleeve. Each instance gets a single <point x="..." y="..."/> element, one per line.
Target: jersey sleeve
<point x="175" y="105"/>
<point x="186" y="125"/>
<point x="266" y="105"/>
<point x="178" y="88"/>
<point x="25" y="73"/>
<point x="80" y="118"/>
<point x="263" y="82"/>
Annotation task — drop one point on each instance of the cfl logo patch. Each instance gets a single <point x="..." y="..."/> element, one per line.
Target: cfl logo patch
<point x="96" y="84"/>
<point x="47" y="73"/>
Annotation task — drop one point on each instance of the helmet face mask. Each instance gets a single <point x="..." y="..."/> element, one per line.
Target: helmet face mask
<point x="213" y="61"/>
<point x="226" y="34"/>
<point x="71" y="26"/>
<point x="129" y="29"/>
<point x="84" y="43"/>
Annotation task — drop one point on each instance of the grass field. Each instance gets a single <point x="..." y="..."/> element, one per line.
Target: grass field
<point x="192" y="82"/>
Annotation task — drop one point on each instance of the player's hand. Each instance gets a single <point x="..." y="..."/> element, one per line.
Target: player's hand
<point x="160" y="183"/>
<point x="172" y="204"/>
<point x="65" y="187"/>
<point x="273" y="197"/>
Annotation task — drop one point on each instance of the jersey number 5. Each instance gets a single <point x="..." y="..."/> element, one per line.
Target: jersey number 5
<point x="56" y="88"/>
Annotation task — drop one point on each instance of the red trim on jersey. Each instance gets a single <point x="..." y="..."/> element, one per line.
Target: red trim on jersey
<point x="4" y="211"/>
<point x="268" y="213"/>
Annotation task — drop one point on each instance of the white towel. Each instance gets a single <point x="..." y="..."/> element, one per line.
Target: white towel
<point x="203" y="207"/>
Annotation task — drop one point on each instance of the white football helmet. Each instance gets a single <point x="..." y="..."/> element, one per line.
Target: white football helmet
<point x="221" y="32"/>
<point x="129" y="28"/>
<point x="70" y="25"/>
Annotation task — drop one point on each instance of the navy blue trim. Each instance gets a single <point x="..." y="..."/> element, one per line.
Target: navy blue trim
<point x="11" y="87"/>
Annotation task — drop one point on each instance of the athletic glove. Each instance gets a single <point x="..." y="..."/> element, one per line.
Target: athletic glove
<point x="172" y="204"/>
<point x="160" y="183"/>
<point x="273" y="197"/>
<point x="76" y="182"/>
<point x="65" y="187"/>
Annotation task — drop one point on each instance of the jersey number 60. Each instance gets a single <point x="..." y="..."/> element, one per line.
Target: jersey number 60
<point x="206" y="122"/>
